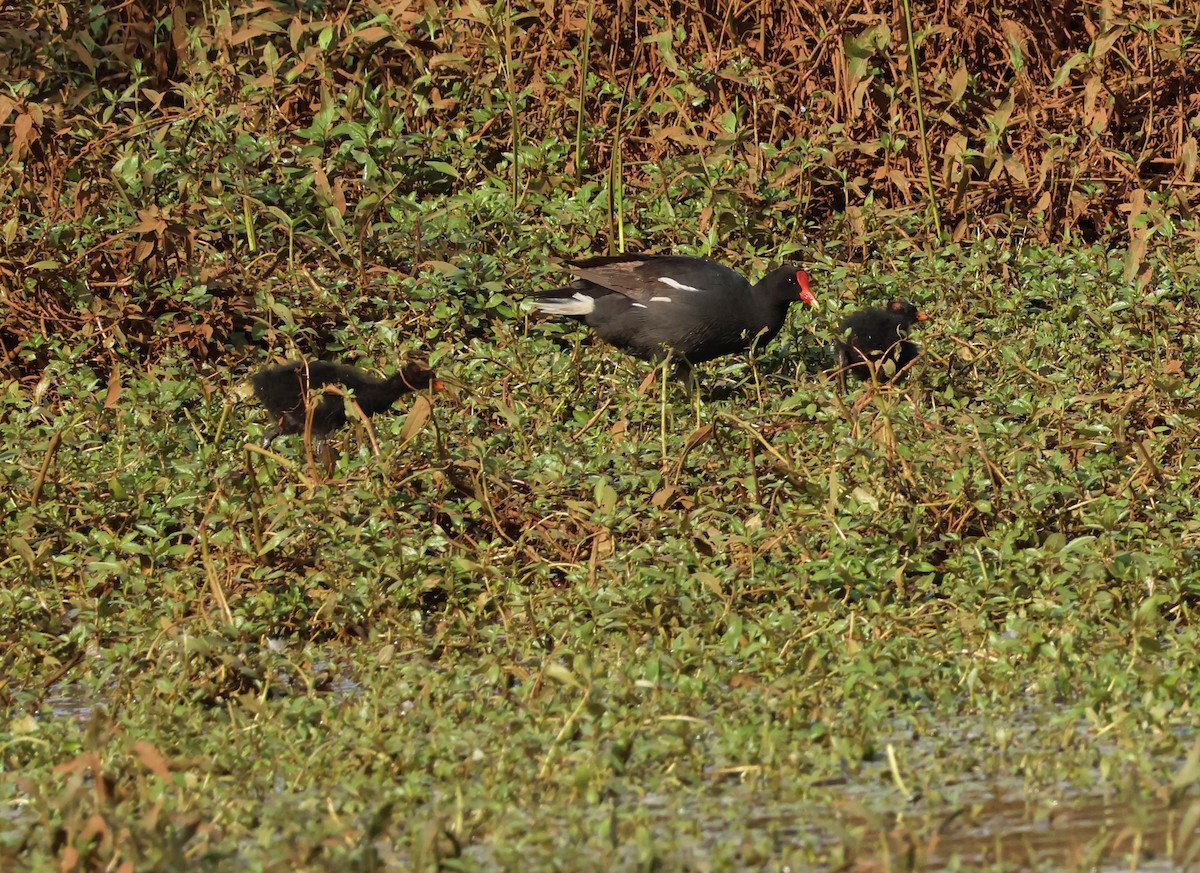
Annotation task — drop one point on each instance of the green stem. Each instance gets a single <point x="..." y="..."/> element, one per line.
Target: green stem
<point x="916" y="77"/>
<point x="616" y="188"/>
<point x="512" y="104"/>
<point x="583" y="75"/>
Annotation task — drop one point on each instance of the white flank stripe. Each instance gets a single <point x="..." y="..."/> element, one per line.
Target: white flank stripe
<point x="638" y="305"/>
<point x="678" y="286"/>
<point x="660" y="299"/>
<point x="576" y="304"/>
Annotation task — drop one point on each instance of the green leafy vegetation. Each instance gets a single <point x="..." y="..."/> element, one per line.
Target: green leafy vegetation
<point x="563" y="621"/>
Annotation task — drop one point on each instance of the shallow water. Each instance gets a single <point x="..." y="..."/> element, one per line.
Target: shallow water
<point x="68" y="701"/>
<point x="1006" y="832"/>
<point x="977" y="822"/>
<point x="1083" y="831"/>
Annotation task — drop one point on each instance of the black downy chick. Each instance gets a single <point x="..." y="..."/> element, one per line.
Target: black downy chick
<point x="284" y="389"/>
<point x="873" y="344"/>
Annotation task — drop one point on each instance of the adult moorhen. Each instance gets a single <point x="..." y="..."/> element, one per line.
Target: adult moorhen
<point x="694" y="309"/>
<point x="283" y="390"/>
<point x="872" y="343"/>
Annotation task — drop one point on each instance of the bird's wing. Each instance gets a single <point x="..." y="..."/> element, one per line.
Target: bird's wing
<point x="644" y="277"/>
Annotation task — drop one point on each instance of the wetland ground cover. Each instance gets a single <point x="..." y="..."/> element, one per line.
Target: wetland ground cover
<point x="558" y="622"/>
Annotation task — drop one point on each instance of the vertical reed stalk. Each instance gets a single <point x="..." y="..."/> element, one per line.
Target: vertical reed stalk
<point x="916" y="78"/>
<point x="584" y="67"/>
<point x="616" y="187"/>
<point x="514" y="128"/>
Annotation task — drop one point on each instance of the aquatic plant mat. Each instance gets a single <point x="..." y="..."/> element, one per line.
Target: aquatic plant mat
<point x="563" y="620"/>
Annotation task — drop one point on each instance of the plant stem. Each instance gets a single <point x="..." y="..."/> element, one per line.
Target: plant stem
<point x="616" y="189"/>
<point x="584" y="61"/>
<point x="916" y="78"/>
<point x="512" y="103"/>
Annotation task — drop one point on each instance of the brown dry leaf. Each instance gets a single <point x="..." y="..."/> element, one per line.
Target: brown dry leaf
<point x="88" y="760"/>
<point x="1000" y="118"/>
<point x="1105" y="42"/>
<point x="321" y="181"/>
<point x="1173" y="367"/>
<point x="603" y="544"/>
<point x="1091" y="90"/>
<point x="454" y="60"/>
<point x="1015" y="169"/>
<point x="857" y="225"/>
<point x="295" y="31"/>
<point x="415" y="421"/>
<point x="371" y="34"/>
<point x="96" y="826"/>
<point x="958" y="84"/>
<point x="1049" y="164"/>
<point x="1187" y="159"/>
<point x="898" y="178"/>
<point x="1015" y="35"/>
<point x="338" y="196"/>
<point x="668" y="133"/>
<point x="1135" y="256"/>
<point x="698" y="437"/>
<point x="474" y="11"/>
<point x="952" y="162"/>
<point x="85" y="57"/>
<point x="1144" y="275"/>
<point x="260" y="26"/>
<point x="114" y="386"/>
<point x="663" y="496"/>
<point x="22" y="134"/>
<point x="149" y="221"/>
<point x="1135" y="207"/>
<point x="152" y="759"/>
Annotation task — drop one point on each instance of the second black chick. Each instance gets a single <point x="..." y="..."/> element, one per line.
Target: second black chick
<point x="284" y="389"/>
<point x="873" y="344"/>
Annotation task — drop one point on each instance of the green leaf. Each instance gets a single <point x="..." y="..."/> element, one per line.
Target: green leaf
<point x="1064" y="71"/>
<point x="443" y="168"/>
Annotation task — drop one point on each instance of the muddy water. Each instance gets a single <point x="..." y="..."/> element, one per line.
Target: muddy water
<point x="1005" y="833"/>
<point x="68" y="701"/>
<point x="1080" y="832"/>
<point x="984" y="825"/>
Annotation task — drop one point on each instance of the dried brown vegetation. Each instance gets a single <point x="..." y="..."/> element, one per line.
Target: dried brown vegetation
<point x="142" y="142"/>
